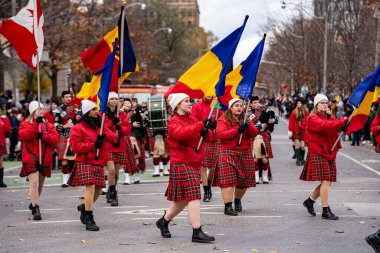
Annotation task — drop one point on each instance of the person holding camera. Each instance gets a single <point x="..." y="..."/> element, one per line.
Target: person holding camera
<point x="91" y="157"/>
<point x="184" y="178"/>
<point x="321" y="131"/>
<point x="235" y="170"/>
<point x="35" y="129"/>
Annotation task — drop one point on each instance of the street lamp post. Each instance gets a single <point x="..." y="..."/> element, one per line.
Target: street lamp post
<point x="168" y="29"/>
<point x="325" y="43"/>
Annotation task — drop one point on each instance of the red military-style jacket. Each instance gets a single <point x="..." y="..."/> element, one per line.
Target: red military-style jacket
<point x="375" y="128"/>
<point x="82" y="141"/>
<point x="183" y="138"/>
<point x="30" y="150"/>
<point x="294" y="125"/>
<point x="229" y="136"/>
<point x="5" y="127"/>
<point x="125" y="131"/>
<point x="321" y="133"/>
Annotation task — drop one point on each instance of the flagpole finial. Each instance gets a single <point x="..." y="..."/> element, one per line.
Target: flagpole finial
<point x="124" y="2"/>
<point x="265" y="35"/>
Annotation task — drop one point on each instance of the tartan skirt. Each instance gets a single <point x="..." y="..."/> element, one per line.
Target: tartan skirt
<point x="298" y="135"/>
<point x="61" y="147"/>
<point x="117" y="157"/>
<point x="85" y="174"/>
<point x="29" y="168"/>
<point x="267" y="139"/>
<point x="210" y="158"/>
<point x="184" y="183"/>
<point x="234" y="169"/>
<point x="3" y="150"/>
<point x="130" y="164"/>
<point x="68" y="168"/>
<point x="318" y="168"/>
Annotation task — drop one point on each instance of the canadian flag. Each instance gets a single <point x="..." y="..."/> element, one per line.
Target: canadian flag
<point x="25" y="32"/>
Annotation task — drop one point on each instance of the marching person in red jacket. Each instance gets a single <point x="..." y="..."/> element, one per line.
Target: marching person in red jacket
<point x="201" y="111"/>
<point x="322" y="130"/>
<point x="30" y="135"/>
<point x="235" y="171"/>
<point x="184" y="178"/>
<point x="375" y="129"/>
<point x="295" y="130"/>
<point x="121" y="152"/>
<point x="5" y="128"/>
<point x="85" y="140"/>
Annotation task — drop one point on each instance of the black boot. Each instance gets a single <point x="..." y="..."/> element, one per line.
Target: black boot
<point x="89" y="221"/>
<point x="328" y="215"/>
<point x="209" y="189"/>
<point x="298" y="157"/>
<point x="115" y="200"/>
<point x="302" y="156"/>
<point x="36" y="213"/>
<point x="238" y="207"/>
<point x="2" y="185"/>
<point x="374" y="241"/>
<point x="294" y="154"/>
<point x="228" y="210"/>
<point x="31" y="207"/>
<point x="82" y="211"/>
<point x="207" y="192"/>
<point x="309" y="204"/>
<point x="199" y="236"/>
<point x="110" y="193"/>
<point x="163" y="225"/>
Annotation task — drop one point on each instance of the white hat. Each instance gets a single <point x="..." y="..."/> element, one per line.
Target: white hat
<point x="318" y="98"/>
<point x="112" y="94"/>
<point x="87" y="105"/>
<point x="34" y="106"/>
<point x="233" y="101"/>
<point x="175" y="98"/>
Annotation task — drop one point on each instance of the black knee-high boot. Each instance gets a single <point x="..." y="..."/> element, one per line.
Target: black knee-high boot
<point x="2" y="185"/>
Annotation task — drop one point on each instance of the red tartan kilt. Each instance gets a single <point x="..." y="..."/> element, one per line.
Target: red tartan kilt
<point x="118" y="157"/>
<point x="318" y="168"/>
<point x="3" y="151"/>
<point x="184" y="183"/>
<point x="28" y="168"/>
<point x="268" y="145"/>
<point x="130" y="165"/>
<point x="210" y="158"/>
<point x="234" y="169"/>
<point x="298" y="135"/>
<point x="86" y="174"/>
<point x="61" y="147"/>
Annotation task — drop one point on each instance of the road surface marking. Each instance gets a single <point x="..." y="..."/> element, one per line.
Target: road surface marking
<point x="42" y="209"/>
<point x="54" y="221"/>
<point x="112" y="207"/>
<point x="360" y="163"/>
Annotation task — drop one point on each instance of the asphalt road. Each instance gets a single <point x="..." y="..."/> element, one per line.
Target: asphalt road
<point x="273" y="218"/>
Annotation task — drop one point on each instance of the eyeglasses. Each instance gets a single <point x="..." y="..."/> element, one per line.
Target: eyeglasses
<point x="113" y="99"/>
<point x="324" y="103"/>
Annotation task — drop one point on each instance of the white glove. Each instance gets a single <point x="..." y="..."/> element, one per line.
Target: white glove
<point x="290" y="134"/>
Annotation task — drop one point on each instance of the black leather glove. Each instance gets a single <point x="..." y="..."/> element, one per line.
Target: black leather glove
<point x="116" y="145"/>
<point x="243" y="126"/>
<point x="346" y="124"/>
<point x="212" y="125"/>
<point x="207" y="122"/>
<point x="39" y="135"/>
<point x="39" y="119"/>
<point x="204" y="132"/>
<point x="99" y="141"/>
<point x="115" y="121"/>
<point x="118" y="127"/>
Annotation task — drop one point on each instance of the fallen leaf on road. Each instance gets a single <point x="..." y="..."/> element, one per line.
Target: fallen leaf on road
<point x="273" y="209"/>
<point x="84" y="241"/>
<point x="339" y="231"/>
<point x="220" y="234"/>
<point x="146" y="223"/>
<point x="174" y="248"/>
<point x="215" y="248"/>
<point x="273" y="251"/>
<point x="362" y="222"/>
<point x="183" y="245"/>
<point x="300" y="243"/>
<point x="151" y="243"/>
<point x="358" y="193"/>
<point x="82" y="197"/>
<point x="349" y="209"/>
<point x="67" y="233"/>
<point x="8" y="205"/>
<point x="125" y="244"/>
<point x="11" y="226"/>
<point x="21" y="240"/>
<point x="373" y="226"/>
<point x="226" y="250"/>
<point x="254" y="250"/>
<point x="135" y="211"/>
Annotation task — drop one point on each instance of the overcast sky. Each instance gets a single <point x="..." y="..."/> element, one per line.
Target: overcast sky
<point x="223" y="16"/>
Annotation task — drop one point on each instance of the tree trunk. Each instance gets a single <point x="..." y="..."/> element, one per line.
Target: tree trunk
<point x="29" y="80"/>
<point x="54" y="81"/>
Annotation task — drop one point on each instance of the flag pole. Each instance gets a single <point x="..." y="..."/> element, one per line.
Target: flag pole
<point x="35" y="28"/>
<point x="214" y="102"/>
<point x="100" y="134"/>
<point x="341" y="132"/>
<point x="245" y="120"/>
<point x="121" y="61"/>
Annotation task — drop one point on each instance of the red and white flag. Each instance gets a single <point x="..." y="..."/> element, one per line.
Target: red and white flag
<point x="25" y="32"/>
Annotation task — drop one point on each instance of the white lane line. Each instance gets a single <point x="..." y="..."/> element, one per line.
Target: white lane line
<point x="13" y="168"/>
<point x="155" y="218"/>
<point x="18" y="211"/>
<point x="54" y="221"/>
<point x="360" y="163"/>
<point x="292" y="204"/>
